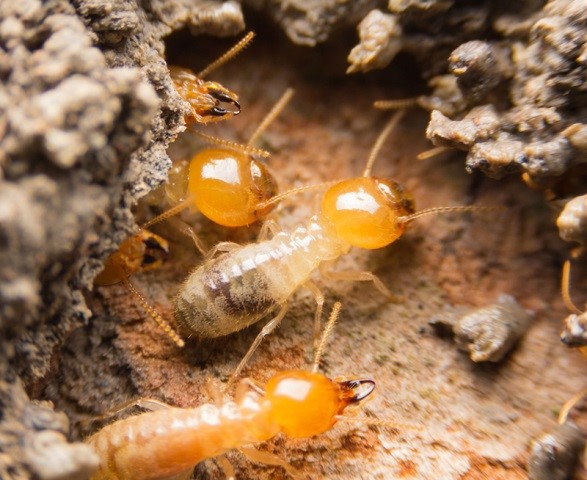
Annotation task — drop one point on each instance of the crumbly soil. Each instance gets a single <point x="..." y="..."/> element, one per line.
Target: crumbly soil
<point x="455" y="419"/>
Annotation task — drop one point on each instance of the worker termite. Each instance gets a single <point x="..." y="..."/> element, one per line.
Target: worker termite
<point x="143" y="251"/>
<point x="238" y="288"/>
<point x="208" y="100"/>
<point x="166" y="444"/>
<point x="555" y="453"/>
<point x="227" y="184"/>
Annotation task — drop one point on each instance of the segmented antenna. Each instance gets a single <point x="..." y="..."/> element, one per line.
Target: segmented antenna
<point x="393" y="121"/>
<point x="168" y="329"/>
<point x="399" y="104"/>
<point x="294" y="191"/>
<point x="247" y="149"/>
<point x="233" y="52"/>
<point x="435" y="210"/>
<point x="273" y="113"/>
<point x="327" y="331"/>
<point x="169" y="213"/>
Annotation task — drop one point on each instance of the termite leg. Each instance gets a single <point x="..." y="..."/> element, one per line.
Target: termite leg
<point x="266" y="330"/>
<point x="226" y="466"/>
<point x="221" y="247"/>
<point x="213" y="391"/>
<point x="243" y="387"/>
<point x="269" y="229"/>
<point x="189" y="231"/>
<point x="358" y="277"/>
<point x="268" y="458"/>
<point x="319" y="296"/>
<point x="146" y="403"/>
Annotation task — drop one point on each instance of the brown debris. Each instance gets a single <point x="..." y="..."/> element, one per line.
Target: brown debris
<point x="488" y="333"/>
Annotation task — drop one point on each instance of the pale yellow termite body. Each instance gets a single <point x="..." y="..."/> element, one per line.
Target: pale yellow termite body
<point x="238" y="288"/>
<point x="166" y="444"/>
<point x="235" y="290"/>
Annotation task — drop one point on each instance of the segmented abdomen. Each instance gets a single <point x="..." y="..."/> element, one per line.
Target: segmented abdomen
<point x="239" y="288"/>
<point x="163" y="444"/>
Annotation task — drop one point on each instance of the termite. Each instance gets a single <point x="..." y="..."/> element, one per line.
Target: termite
<point x="166" y="444"/>
<point x="140" y="252"/>
<point x="227" y="184"/>
<point x="208" y="100"/>
<point x="240" y="287"/>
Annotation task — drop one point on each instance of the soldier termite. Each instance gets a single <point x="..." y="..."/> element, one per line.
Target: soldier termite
<point x="167" y="443"/>
<point x="143" y="251"/>
<point x="209" y="101"/>
<point x="243" y="285"/>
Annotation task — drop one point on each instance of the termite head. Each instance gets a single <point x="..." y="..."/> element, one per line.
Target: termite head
<point x="228" y="186"/>
<point x="306" y="403"/>
<point x="209" y="101"/>
<point x="142" y="251"/>
<point x="212" y="102"/>
<point x="215" y="102"/>
<point x="366" y="211"/>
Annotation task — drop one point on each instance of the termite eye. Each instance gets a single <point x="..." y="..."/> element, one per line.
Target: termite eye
<point x="304" y="403"/>
<point x="365" y="211"/>
<point x="227" y="186"/>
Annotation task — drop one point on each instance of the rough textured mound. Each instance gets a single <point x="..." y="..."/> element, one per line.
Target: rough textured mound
<point x="86" y="112"/>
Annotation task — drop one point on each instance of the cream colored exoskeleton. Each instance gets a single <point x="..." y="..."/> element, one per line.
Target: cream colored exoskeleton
<point x="167" y="443"/>
<point x="245" y="284"/>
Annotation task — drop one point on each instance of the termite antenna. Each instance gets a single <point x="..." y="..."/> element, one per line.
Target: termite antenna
<point x="293" y="191"/>
<point x="393" y="121"/>
<point x="435" y="210"/>
<point x="569" y="404"/>
<point x="233" y="52"/>
<point x="327" y="331"/>
<point x="169" y="213"/>
<point x="273" y="113"/>
<point x="168" y="329"/>
<point x="433" y="152"/>
<point x="566" y="287"/>
<point x="398" y="104"/>
<point x="247" y="149"/>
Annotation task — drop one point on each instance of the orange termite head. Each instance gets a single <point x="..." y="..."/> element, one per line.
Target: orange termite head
<point x="227" y="186"/>
<point x="142" y="251"/>
<point x="366" y="211"/>
<point x="209" y="101"/>
<point x="305" y="404"/>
